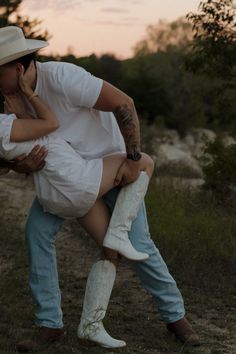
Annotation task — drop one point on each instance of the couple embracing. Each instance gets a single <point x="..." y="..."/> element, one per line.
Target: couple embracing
<point x="79" y="137"/>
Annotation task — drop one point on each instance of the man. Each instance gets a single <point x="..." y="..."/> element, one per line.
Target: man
<point x="98" y="119"/>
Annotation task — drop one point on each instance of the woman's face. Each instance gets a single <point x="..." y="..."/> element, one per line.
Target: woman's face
<point x="8" y="79"/>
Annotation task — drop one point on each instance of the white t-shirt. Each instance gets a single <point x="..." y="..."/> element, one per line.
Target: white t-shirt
<point x="71" y="92"/>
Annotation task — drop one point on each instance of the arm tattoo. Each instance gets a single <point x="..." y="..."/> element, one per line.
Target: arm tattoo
<point x="128" y="122"/>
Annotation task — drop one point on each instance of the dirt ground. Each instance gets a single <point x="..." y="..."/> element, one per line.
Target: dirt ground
<point x="132" y="314"/>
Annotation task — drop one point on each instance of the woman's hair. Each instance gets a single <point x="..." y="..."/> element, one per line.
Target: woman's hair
<point x="25" y="60"/>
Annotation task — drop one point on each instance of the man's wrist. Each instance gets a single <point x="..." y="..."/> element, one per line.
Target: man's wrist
<point x="20" y="169"/>
<point x="134" y="156"/>
<point x="6" y="164"/>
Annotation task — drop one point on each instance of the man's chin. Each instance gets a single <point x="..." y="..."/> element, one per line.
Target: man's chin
<point x="11" y="91"/>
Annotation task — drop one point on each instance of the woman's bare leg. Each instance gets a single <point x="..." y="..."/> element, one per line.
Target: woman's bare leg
<point x="100" y="282"/>
<point x="102" y="275"/>
<point x="126" y="208"/>
<point x="95" y="223"/>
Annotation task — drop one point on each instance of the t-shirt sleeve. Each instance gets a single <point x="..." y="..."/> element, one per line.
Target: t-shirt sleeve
<point x="6" y="121"/>
<point x="79" y="86"/>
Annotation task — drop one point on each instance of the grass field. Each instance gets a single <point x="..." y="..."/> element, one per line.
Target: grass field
<point x="197" y="238"/>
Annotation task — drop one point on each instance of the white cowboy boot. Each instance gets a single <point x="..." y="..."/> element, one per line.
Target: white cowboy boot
<point x="98" y="291"/>
<point x="125" y="211"/>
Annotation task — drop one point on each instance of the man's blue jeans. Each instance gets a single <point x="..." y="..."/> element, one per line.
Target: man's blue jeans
<point x="41" y="230"/>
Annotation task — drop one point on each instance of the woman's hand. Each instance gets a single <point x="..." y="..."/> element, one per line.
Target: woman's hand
<point x="24" y="79"/>
<point x="15" y="104"/>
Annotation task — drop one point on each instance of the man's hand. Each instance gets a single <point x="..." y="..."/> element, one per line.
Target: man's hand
<point x="128" y="172"/>
<point x="31" y="163"/>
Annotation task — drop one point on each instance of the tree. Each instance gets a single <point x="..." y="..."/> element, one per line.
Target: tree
<point x="10" y="16"/>
<point x="214" y="44"/>
<point x="163" y="35"/>
<point x="218" y="163"/>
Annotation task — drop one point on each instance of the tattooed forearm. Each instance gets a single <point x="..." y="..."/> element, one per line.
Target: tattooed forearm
<point x="128" y="122"/>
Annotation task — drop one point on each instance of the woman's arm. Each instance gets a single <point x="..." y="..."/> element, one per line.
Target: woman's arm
<point x="26" y="129"/>
<point x="29" y="129"/>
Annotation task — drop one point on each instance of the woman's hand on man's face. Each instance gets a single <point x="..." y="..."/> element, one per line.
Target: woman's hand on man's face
<point x="24" y="79"/>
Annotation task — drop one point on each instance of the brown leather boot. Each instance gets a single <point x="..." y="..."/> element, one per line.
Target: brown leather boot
<point x="44" y="336"/>
<point x="184" y="332"/>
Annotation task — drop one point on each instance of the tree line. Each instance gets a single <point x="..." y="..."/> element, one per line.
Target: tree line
<point x="182" y="74"/>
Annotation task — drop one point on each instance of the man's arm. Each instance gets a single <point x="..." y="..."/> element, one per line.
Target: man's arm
<point x="111" y="99"/>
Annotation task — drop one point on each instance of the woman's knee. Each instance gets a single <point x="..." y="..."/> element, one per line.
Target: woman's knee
<point x="148" y="163"/>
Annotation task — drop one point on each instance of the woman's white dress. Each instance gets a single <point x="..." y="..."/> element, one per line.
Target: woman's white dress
<point x="68" y="185"/>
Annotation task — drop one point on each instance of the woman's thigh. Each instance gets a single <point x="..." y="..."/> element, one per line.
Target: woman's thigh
<point x="111" y="165"/>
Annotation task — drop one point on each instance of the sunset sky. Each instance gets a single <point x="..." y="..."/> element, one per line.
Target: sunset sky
<point x="101" y="26"/>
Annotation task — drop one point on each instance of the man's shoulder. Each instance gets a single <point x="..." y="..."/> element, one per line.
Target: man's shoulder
<point x="57" y="67"/>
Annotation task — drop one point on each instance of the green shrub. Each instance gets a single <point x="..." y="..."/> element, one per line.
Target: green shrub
<point x="218" y="163"/>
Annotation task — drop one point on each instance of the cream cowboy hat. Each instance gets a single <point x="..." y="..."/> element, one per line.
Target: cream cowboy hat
<point x="14" y="45"/>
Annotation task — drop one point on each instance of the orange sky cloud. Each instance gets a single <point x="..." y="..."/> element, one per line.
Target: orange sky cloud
<point x="101" y="26"/>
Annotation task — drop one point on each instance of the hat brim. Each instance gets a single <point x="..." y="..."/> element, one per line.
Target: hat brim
<point x="33" y="45"/>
